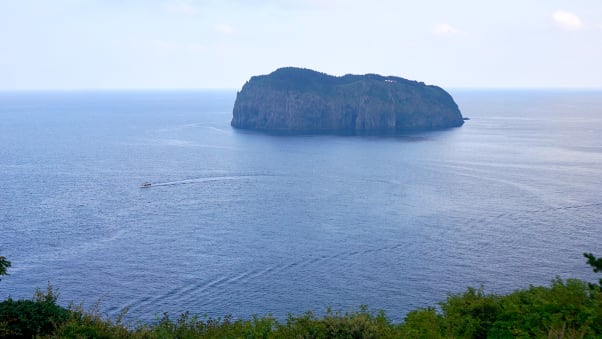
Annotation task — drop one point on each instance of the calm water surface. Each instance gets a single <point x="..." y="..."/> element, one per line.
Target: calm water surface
<point x="243" y="223"/>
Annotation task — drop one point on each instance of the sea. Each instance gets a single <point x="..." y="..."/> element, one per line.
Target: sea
<point x="243" y="223"/>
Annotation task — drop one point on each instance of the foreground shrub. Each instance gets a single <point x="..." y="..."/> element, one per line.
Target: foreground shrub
<point x="4" y="265"/>
<point x="90" y="324"/>
<point x="362" y="324"/>
<point x="187" y="326"/>
<point x="422" y="324"/>
<point x="568" y="309"/>
<point x="30" y="318"/>
<point x="471" y="314"/>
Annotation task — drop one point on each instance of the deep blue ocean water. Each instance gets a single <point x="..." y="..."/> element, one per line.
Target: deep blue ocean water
<point x="244" y="223"/>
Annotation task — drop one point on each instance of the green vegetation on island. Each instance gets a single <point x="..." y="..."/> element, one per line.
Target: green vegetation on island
<point x="565" y="309"/>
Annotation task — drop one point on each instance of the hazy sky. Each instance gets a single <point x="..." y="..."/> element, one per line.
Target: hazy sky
<point x="103" y="44"/>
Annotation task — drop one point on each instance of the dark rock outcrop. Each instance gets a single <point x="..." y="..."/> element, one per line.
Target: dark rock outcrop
<point x="295" y="100"/>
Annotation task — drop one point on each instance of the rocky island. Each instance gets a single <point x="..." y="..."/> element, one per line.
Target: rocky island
<point x="295" y="100"/>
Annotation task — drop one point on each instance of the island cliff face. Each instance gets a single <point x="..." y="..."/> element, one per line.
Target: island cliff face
<point x="295" y="100"/>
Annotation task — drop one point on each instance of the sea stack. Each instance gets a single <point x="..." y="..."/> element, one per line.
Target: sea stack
<point x="302" y="101"/>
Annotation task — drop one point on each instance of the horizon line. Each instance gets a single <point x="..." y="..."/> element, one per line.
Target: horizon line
<point x="192" y="89"/>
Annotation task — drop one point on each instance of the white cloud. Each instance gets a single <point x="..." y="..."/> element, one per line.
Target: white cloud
<point x="567" y="20"/>
<point x="444" y="30"/>
<point x="182" y="8"/>
<point x="224" y="28"/>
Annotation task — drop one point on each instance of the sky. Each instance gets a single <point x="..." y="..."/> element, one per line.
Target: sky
<point x="204" y="44"/>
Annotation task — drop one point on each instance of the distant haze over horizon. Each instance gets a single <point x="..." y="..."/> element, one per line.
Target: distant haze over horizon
<point x="210" y="44"/>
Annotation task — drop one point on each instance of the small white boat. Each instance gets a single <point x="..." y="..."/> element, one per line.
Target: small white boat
<point x="145" y="184"/>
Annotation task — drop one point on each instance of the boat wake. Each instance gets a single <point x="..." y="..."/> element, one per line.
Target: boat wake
<point x="199" y="180"/>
